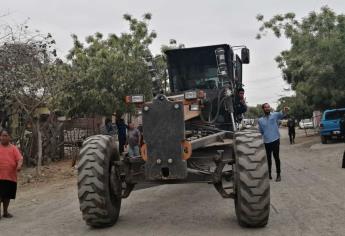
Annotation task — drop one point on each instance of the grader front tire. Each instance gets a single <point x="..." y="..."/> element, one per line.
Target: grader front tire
<point x="252" y="187"/>
<point x="99" y="184"/>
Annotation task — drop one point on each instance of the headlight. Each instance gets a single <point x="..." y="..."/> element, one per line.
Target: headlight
<point x="135" y="99"/>
<point x="190" y="95"/>
<point x="194" y="107"/>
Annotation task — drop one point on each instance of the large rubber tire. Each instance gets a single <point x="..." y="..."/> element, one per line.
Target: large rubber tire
<point x="99" y="184"/>
<point x="252" y="186"/>
<point x="323" y="139"/>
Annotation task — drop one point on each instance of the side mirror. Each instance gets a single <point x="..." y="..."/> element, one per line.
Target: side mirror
<point x="245" y="55"/>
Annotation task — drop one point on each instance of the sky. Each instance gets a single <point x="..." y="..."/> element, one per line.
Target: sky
<point x="191" y="22"/>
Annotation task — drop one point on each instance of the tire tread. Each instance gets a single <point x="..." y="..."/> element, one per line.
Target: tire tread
<point x="253" y="189"/>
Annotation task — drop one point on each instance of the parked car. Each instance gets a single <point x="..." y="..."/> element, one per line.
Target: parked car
<point x="306" y="124"/>
<point x="247" y="123"/>
<point x="330" y="124"/>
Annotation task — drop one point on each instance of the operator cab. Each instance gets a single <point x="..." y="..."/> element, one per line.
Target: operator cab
<point x="197" y="68"/>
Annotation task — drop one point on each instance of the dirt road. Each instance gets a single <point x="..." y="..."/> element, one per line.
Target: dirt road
<point x="310" y="200"/>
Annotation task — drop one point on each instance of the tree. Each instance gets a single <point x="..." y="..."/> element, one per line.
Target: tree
<point x="26" y="63"/>
<point x="315" y="63"/>
<point x="299" y="109"/>
<point x="161" y="66"/>
<point x="254" y="112"/>
<point x="104" y="70"/>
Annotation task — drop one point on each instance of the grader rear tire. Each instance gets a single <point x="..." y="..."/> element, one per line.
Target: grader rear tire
<point x="99" y="184"/>
<point x="252" y="187"/>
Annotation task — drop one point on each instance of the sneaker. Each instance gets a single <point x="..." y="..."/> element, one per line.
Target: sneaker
<point x="278" y="179"/>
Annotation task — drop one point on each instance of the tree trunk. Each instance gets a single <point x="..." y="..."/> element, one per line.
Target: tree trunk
<point x="39" y="147"/>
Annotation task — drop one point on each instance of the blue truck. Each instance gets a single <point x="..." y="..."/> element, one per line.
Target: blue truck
<point x="330" y="124"/>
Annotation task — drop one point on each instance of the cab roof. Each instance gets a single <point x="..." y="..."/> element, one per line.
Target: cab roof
<point x="209" y="47"/>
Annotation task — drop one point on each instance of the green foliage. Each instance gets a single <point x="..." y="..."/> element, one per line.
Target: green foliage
<point x="102" y="71"/>
<point x="254" y="112"/>
<point x="299" y="109"/>
<point x="172" y="45"/>
<point x="25" y="69"/>
<point x="161" y="63"/>
<point x="27" y="82"/>
<point x="315" y="63"/>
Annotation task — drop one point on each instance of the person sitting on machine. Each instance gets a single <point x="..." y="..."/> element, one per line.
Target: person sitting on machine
<point x="240" y="104"/>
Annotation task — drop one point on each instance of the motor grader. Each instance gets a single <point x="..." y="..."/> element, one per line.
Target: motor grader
<point x="191" y="134"/>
